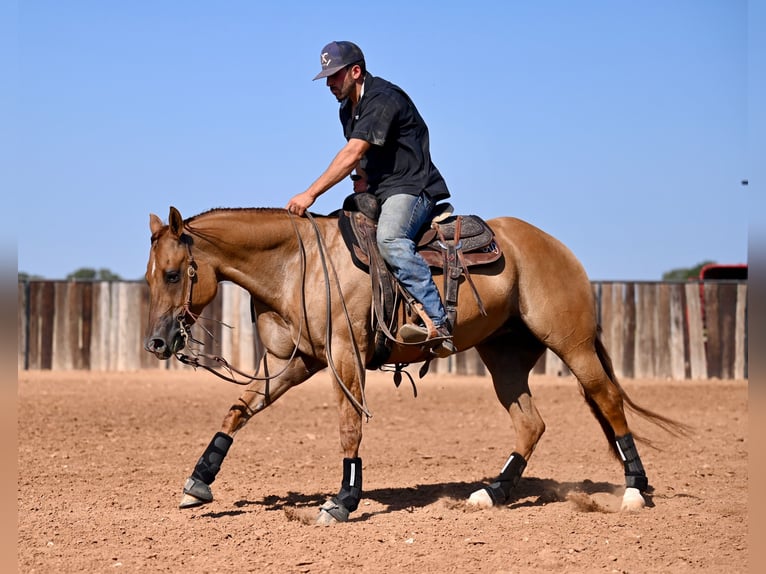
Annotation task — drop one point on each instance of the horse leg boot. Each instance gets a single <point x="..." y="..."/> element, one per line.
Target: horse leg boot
<point x="338" y="508"/>
<point x="606" y="400"/>
<point x="636" y="481"/>
<point x="256" y="397"/>
<point x="500" y="491"/>
<point x="347" y="500"/>
<point x="509" y="366"/>
<point x="529" y="428"/>
<point x="197" y="488"/>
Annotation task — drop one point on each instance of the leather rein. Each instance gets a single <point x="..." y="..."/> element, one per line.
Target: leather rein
<point x="195" y="360"/>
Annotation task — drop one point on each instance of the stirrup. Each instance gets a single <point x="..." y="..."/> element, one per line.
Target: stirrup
<point x="444" y="347"/>
<point x="412" y="333"/>
<point x="437" y="344"/>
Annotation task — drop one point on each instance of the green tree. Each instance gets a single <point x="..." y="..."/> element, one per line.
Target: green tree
<point x="90" y="274"/>
<point x="682" y="274"/>
<point x="24" y="276"/>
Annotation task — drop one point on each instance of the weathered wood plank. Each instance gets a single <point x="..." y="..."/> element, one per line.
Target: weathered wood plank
<point x="469" y="363"/>
<point x="22" y="325"/>
<point x="442" y="366"/>
<point x="612" y="323"/>
<point x="554" y="366"/>
<point x="697" y="357"/>
<point x="629" y="332"/>
<point x="677" y="346"/>
<point x="712" y="326"/>
<point x="41" y="313"/>
<point x="101" y="343"/>
<point x="726" y="318"/>
<point x="237" y="340"/>
<point x="63" y="334"/>
<point x="740" y="336"/>
<point x="662" y="333"/>
<point x="646" y="320"/>
<point x="85" y="331"/>
<point x="72" y="325"/>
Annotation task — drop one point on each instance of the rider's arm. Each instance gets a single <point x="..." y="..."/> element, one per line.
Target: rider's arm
<point x="340" y="167"/>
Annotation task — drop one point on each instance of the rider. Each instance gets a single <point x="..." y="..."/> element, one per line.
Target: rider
<point x="387" y="140"/>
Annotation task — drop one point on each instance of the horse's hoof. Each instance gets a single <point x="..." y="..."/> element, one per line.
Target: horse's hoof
<point x="632" y="501"/>
<point x="196" y="493"/>
<point x="325" y="519"/>
<point x="480" y="499"/>
<point x="189" y="501"/>
<point x="332" y="512"/>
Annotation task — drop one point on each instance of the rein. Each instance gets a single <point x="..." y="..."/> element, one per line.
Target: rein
<point x="194" y="361"/>
<point x="361" y="408"/>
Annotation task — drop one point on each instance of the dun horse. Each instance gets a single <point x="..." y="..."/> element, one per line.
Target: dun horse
<point x="314" y="310"/>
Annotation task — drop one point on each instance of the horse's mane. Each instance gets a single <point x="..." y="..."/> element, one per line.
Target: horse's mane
<point x="234" y="210"/>
<point x="265" y="210"/>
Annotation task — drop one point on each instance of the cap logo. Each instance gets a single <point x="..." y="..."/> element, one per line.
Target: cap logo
<point x="326" y="59"/>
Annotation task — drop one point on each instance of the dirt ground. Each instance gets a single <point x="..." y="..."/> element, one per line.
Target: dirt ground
<point x="102" y="459"/>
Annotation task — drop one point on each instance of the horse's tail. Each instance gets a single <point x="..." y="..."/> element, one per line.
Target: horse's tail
<point x="669" y="425"/>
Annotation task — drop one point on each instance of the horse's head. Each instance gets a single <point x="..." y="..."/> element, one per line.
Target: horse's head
<point x="180" y="285"/>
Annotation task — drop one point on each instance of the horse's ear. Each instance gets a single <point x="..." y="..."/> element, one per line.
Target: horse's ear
<point x="176" y="222"/>
<point x="155" y="223"/>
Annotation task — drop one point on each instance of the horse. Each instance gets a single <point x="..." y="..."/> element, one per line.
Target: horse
<point x="313" y="311"/>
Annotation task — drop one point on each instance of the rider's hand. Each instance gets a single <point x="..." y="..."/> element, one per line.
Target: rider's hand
<point x="300" y="203"/>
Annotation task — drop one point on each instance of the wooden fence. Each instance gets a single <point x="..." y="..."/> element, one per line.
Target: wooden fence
<point x="693" y="330"/>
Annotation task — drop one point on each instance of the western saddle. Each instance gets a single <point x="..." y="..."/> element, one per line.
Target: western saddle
<point x="451" y="243"/>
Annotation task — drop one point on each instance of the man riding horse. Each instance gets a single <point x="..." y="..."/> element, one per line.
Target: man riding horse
<point x="387" y="139"/>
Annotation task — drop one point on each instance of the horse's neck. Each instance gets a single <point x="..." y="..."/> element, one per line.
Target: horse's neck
<point x="259" y="250"/>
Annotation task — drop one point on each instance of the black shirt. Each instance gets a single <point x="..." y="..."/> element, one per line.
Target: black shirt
<point x="399" y="159"/>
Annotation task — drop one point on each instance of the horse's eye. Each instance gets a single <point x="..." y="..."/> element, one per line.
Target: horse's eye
<point x="172" y="276"/>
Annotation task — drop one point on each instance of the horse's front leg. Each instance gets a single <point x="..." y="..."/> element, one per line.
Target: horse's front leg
<point x="338" y="508"/>
<point x="256" y="397"/>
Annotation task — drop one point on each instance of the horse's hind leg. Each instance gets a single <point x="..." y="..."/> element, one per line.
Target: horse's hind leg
<point x="509" y="359"/>
<point x="592" y="367"/>
<point x="256" y="397"/>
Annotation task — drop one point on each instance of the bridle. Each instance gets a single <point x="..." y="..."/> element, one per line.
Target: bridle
<point x="191" y="275"/>
<point x="195" y="360"/>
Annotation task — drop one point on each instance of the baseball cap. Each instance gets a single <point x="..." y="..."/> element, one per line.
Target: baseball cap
<point x="336" y="56"/>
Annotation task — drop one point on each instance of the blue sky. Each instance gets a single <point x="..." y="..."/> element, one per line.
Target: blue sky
<point x="622" y="128"/>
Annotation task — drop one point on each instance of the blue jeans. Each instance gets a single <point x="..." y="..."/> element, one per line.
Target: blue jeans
<point x="401" y="217"/>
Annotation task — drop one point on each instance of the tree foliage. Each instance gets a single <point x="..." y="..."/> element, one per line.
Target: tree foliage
<point x="81" y="274"/>
<point x="90" y="274"/>
<point x="24" y="276"/>
<point x="683" y="273"/>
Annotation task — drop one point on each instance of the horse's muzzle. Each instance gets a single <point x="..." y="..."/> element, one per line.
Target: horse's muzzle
<point x="158" y="347"/>
<point x="165" y="346"/>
